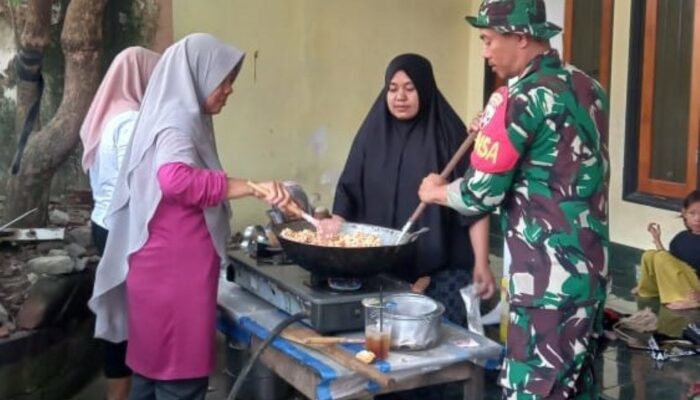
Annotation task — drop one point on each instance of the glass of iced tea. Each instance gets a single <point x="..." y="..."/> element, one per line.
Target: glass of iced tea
<point x="377" y="328"/>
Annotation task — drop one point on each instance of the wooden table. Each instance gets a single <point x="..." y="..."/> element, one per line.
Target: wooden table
<point x="306" y="380"/>
<point x="238" y="309"/>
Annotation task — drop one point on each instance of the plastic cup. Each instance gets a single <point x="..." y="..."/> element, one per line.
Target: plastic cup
<point x="377" y="328"/>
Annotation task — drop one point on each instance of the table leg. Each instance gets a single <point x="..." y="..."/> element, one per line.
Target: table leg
<point x="474" y="386"/>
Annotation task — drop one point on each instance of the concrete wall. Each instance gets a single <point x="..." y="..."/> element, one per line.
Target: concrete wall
<point x="320" y="65"/>
<point x="312" y="70"/>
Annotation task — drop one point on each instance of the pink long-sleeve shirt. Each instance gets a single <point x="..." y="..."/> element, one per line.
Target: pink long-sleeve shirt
<point x="172" y="280"/>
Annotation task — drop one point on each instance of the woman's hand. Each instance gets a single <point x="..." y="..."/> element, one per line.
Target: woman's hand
<point x="329" y="227"/>
<point x="276" y="194"/>
<point x="433" y="190"/>
<point x="420" y="285"/>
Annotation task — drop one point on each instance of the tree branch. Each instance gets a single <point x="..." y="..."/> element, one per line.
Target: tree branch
<point x="36" y="33"/>
<point x="81" y="41"/>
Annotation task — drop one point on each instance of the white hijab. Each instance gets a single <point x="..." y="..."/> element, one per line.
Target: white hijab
<point x="187" y="73"/>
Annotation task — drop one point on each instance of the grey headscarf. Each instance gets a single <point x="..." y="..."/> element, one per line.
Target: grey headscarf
<point x="187" y="73"/>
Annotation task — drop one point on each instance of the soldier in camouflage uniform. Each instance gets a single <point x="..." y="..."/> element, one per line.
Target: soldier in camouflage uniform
<point x="542" y="157"/>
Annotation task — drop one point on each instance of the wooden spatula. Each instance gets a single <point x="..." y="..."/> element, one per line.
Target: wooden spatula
<point x="292" y="206"/>
<point x="445" y="172"/>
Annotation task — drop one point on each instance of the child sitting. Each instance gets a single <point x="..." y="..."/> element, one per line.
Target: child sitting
<point x="673" y="275"/>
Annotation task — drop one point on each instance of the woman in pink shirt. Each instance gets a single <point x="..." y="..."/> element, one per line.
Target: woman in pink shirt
<point x="105" y="134"/>
<point x="170" y="220"/>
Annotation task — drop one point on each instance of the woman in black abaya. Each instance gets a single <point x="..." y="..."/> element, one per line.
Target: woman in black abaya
<point x="411" y="131"/>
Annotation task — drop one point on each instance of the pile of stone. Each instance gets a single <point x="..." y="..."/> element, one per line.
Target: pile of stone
<point x="44" y="282"/>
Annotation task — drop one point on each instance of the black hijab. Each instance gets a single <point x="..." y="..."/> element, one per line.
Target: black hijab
<point x="388" y="160"/>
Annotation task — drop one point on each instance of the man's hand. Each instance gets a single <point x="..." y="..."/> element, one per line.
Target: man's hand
<point x="433" y="190"/>
<point x="420" y="285"/>
<point x="484" y="281"/>
<point x="475" y="125"/>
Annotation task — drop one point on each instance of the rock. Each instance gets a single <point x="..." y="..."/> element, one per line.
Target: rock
<point x="13" y="287"/>
<point x="4" y="315"/>
<point x="32" y="277"/>
<point x="75" y="250"/>
<point x="54" y="300"/>
<point x="81" y="264"/>
<point x="58" y="252"/>
<point x="80" y="235"/>
<point x="59" y="217"/>
<point x="82" y="215"/>
<point x="44" y="247"/>
<point x="52" y="265"/>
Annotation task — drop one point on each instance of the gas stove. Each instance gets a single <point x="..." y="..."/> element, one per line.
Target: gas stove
<point x="293" y="289"/>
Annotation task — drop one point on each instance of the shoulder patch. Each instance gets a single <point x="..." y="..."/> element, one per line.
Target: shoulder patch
<point x="493" y="152"/>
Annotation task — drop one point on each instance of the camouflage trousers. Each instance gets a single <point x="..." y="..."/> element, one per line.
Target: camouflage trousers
<point x="550" y="353"/>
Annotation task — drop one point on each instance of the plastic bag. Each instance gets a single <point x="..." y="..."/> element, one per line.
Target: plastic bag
<point x="472" y="302"/>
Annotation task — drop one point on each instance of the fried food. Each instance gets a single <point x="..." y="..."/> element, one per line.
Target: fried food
<point x="354" y="239"/>
<point x="365" y="356"/>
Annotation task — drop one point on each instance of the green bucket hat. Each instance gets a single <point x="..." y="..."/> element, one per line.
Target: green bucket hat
<point x="526" y="17"/>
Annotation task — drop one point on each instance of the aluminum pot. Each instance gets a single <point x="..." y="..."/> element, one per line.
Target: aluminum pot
<point x="415" y="321"/>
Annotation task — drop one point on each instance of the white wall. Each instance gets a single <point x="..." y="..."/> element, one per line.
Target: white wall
<point x="555" y="14"/>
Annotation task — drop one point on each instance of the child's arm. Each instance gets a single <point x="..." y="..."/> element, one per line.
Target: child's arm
<point x="655" y="231"/>
<point x="479" y="237"/>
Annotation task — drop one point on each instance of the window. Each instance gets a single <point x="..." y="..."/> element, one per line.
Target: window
<point x="588" y="37"/>
<point x="663" y="100"/>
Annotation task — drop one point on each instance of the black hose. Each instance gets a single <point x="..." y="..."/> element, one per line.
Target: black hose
<point x="254" y="357"/>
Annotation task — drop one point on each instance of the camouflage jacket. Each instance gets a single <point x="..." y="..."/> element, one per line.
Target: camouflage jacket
<point x="549" y="173"/>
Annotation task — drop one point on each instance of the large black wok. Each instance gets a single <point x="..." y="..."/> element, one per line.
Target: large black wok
<point x="347" y="262"/>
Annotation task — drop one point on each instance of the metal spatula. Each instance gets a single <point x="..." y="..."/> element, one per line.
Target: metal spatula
<point x="9" y="224"/>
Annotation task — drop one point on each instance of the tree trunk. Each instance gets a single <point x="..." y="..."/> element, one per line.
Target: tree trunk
<point x="33" y="41"/>
<point x="47" y="149"/>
